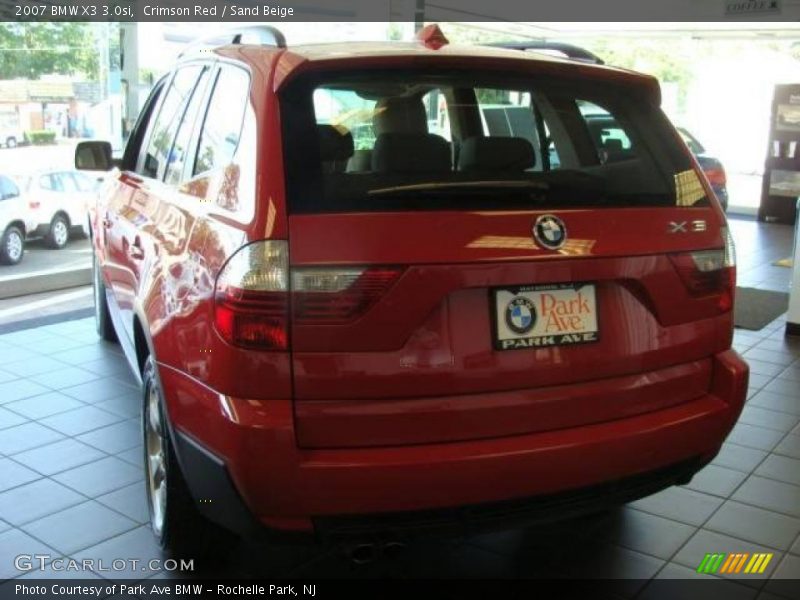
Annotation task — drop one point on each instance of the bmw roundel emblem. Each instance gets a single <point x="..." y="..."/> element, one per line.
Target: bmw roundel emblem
<point x="520" y="315"/>
<point x="550" y="232"/>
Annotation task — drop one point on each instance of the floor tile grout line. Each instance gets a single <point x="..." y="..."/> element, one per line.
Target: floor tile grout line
<point x="87" y="498"/>
<point x="68" y="554"/>
<point x="75" y="436"/>
<point x="702" y="526"/>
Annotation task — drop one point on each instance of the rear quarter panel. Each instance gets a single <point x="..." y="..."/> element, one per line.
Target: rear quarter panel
<point x="191" y="237"/>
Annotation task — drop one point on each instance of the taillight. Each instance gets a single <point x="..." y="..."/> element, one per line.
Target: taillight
<point x="716" y="176"/>
<point x="337" y="295"/>
<point x="33" y="204"/>
<point x="251" y="304"/>
<point x="710" y="273"/>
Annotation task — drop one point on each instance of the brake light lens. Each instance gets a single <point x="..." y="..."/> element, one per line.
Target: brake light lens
<point x="710" y="273"/>
<point x="335" y="296"/>
<point x="251" y="303"/>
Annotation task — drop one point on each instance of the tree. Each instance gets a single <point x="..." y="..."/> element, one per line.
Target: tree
<point x="30" y="50"/>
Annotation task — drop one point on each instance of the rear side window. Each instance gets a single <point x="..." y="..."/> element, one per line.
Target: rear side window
<point x="181" y="147"/>
<point x="159" y="154"/>
<point x="83" y="182"/>
<point x="8" y="189"/>
<point x="222" y="127"/>
<point x="402" y="140"/>
<point x="66" y="182"/>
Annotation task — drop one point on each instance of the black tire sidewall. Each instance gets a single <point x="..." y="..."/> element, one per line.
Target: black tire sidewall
<point x="4" y="257"/>
<point x="149" y="380"/>
<point x="102" y="318"/>
<point x="185" y="532"/>
<point x="51" y="240"/>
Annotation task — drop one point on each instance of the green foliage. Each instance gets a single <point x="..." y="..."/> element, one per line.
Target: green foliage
<point x="30" y="50"/>
<point x="40" y="137"/>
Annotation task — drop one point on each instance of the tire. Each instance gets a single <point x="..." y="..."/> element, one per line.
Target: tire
<point x="102" y="317"/>
<point x="11" y="142"/>
<point x="12" y="246"/>
<point x="58" y="234"/>
<point x="174" y="519"/>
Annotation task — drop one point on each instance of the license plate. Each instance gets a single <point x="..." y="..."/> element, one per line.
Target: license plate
<point x="540" y="316"/>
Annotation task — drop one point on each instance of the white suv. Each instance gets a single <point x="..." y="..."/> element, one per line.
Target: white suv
<point x="14" y="223"/>
<point x="58" y="204"/>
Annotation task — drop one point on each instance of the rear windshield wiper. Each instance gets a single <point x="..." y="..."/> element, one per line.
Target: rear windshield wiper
<point x="460" y="186"/>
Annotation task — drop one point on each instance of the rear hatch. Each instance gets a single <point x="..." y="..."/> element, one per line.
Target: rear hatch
<point x="460" y="276"/>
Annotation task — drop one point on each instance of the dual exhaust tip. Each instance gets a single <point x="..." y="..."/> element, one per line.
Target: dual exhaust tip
<point x="362" y="553"/>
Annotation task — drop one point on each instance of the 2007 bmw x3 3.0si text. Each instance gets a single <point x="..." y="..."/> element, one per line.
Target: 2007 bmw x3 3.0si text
<point x="402" y="286"/>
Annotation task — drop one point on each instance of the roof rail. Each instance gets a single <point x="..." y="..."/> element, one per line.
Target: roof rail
<point x="256" y="34"/>
<point x="568" y="50"/>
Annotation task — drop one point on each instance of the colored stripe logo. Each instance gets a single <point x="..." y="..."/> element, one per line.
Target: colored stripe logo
<point x="735" y="563"/>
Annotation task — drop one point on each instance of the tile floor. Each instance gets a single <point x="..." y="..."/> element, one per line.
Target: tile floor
<point x="71" y="476"/>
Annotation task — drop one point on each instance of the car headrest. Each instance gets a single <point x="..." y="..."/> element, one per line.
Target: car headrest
<point x="399" y="115"/>
<point x="496" y="154"/>
<point x="613" y="145"/>
<point x="335" y="143"/>
<point x="411" y="153"/>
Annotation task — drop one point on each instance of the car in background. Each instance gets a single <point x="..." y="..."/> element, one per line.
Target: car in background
<point x="10" y="137"/>
<point x="712" y="167"/>
<point x="14" y="225"/>
<point x="58" y="203"/>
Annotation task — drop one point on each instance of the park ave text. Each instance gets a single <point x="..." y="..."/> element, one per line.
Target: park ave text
<point x="178" y="589"/>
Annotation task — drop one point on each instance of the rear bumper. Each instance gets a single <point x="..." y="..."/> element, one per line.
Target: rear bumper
<point x="243" y="456"/>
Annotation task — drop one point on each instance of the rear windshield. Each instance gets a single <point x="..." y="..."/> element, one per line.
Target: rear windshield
<point x="400" y="140"/>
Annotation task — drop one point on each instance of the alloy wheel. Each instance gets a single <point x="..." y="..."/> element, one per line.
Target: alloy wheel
<point x="155" y="456"/>
<point x="60" y="233"/>
<point x="14" y="246"/>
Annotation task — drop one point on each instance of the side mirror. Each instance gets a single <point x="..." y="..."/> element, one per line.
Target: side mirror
<point x="93" y="156"/>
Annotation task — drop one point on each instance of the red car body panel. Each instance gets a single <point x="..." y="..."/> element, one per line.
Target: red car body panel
<point x="408" y="407"/>
<point x="278" y="480"/>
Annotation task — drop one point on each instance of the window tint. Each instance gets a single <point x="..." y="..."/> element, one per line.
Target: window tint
<point x="159" y="148"/>
<point x="180" y="147"/>
<point x="510" y="113"/>
<point x="435" y="105"/>
<point x="609" y="138"/>
<point x="345" y="108"/>
<point x="381" y="140"/>
<point x="222" y="126"/>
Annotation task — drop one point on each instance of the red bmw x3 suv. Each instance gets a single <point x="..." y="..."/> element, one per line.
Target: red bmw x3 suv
<point x="398" y="286"/>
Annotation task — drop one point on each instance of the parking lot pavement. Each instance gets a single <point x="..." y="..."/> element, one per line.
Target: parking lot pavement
<point x="38" y="257"/>
<point x="24" y="312"/>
